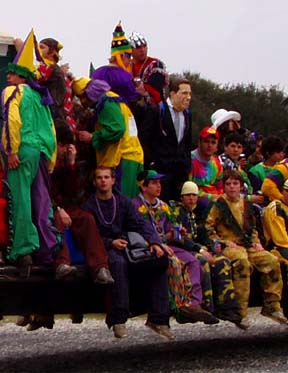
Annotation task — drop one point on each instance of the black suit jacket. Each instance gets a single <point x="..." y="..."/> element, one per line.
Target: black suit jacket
<point x="158" y="138"/>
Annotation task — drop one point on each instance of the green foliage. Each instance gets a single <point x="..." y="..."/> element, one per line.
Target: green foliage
<point x="263" y="109"/>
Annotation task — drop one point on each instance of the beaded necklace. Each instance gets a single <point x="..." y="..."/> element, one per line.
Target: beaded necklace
<point x="114" y="207"/>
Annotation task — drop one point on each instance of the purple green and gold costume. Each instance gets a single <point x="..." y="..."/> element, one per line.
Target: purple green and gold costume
<point x="116" y="143"/>
<point x="272" y="184"/>
<point x="28" y="131"/>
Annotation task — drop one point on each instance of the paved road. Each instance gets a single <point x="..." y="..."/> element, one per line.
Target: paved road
<point x="90" y="347"/>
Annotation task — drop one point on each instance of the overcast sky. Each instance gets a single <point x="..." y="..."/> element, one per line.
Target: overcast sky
<point x="238" y="41"/>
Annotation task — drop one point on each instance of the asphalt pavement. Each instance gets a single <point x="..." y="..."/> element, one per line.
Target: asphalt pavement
<point x="91" y="347"/>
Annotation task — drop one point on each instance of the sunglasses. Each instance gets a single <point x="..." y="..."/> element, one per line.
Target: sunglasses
<point x="127" y="55"/>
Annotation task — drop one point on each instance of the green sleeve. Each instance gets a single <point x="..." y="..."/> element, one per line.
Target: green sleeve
<point x="112" y="125"/>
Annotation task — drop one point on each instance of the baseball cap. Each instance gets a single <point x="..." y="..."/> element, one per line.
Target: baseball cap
<point x="208" y="131"/>
<point x="148" y="175"/>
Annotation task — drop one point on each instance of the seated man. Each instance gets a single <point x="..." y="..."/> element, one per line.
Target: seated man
<point x="115" y="216"/>
<point x="231" y="221"/>
<point x="67" y="195"/>
<point x="226" y="306"/>
<point x="275" y="221"/>
<point x="157" y="215"/>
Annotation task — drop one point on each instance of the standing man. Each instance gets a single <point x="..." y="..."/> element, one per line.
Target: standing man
<point x="118" y="72"/>
<point x="148" y="70"/>
<point x="166" y="138"/>
<point x="29" y="142"/>
<point x="206" y="170"/>
<point x="115" y="137"/>
<point x="115" y="216"/>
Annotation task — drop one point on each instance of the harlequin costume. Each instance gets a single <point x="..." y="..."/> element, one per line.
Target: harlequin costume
<point x="115" y="137"/>
<point x="272" y="184"/>
<point x="257" y="175"/>
<point x="118" y="76"/>
<point x="28" y="131"/>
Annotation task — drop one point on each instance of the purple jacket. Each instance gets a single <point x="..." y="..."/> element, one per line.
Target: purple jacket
<point x="127" y="219"/>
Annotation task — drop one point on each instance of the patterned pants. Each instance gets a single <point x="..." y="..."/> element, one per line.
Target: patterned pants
<point x="243" y="260"/>
<point x="217" y="284"/>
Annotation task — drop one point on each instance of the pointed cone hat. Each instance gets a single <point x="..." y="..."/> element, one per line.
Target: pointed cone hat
<point x="91" y="69"/>
<point x="120" y="43"/>
<point x="23" y="64"/>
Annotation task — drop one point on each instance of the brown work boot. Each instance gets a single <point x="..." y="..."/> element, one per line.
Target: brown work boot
<point x="162" y="330"/>
<point x="120" y="331"/>
<point x="196" y="313"/>
<point x="103" y="276"/>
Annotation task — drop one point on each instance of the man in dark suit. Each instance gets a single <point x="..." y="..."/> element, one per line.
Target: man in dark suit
<point x="166" y="138"/>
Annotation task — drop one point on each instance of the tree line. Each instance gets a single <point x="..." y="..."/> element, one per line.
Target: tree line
<point x="263" y="110"/>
